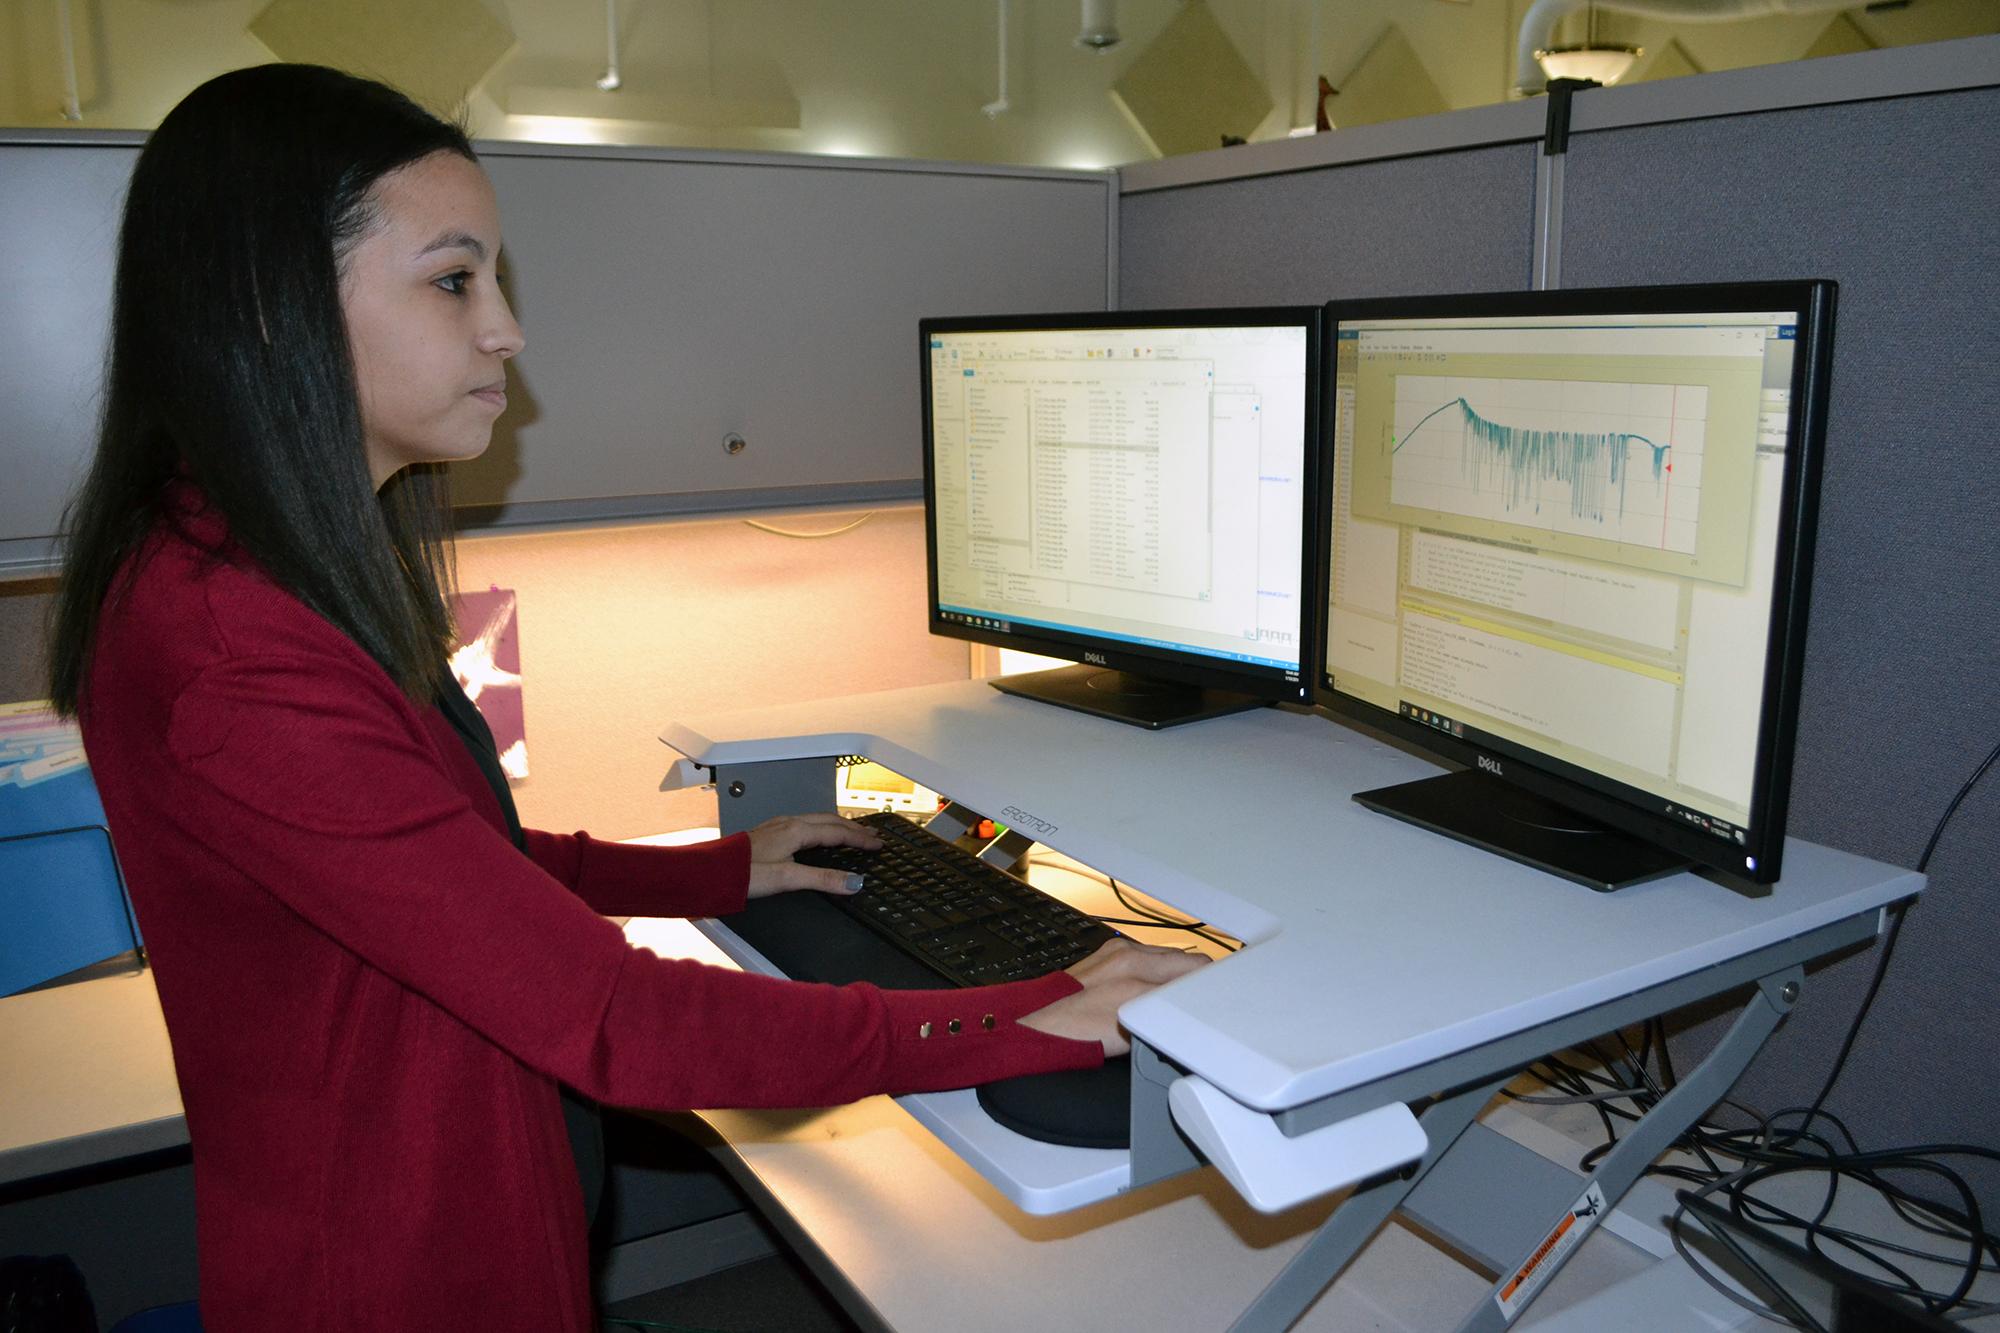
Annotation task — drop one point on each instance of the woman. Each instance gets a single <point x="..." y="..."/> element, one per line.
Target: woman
<point x="375" y="982"/>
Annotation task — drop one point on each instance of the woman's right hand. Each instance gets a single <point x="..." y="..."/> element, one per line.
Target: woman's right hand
<point x="1121" y="970"/>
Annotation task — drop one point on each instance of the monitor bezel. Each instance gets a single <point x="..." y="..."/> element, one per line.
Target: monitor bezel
<point x="1182" y="667"/>
<point x="1614" y="804"/>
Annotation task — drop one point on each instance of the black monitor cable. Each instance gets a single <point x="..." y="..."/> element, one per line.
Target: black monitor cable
<point x="1796" y="1140"/>
<point x="1142" y="915"/>
<point x="1889" y="943"/>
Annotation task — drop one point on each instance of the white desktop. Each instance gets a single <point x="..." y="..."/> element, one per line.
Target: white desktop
<point x="1383" y="963"/>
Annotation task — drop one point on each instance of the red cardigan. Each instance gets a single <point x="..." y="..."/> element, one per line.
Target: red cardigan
<point x="372" y="995"/>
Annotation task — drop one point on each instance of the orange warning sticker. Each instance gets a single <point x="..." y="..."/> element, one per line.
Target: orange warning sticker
<point x="1567" y="1234"/>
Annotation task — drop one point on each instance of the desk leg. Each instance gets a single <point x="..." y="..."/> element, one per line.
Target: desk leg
<point x="1643" y="1143"/>
<point x="1359" y="1217"/>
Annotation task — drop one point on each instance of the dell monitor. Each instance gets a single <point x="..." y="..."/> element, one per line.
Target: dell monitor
<point x="1569" y="540"/>
<point x="1129" y="491"/>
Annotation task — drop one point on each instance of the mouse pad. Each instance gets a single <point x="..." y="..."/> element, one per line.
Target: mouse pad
<point x="808" y="939"/>
<point x="1078" y="1108"/>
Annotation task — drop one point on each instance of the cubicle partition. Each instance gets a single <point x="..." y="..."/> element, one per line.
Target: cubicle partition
<point x="674" y="301"/>
<point x="1876" y="171"/>
<point x="671" y="300"/>
<point x="1896" y="201"/>
<point x="1452" y="221"/>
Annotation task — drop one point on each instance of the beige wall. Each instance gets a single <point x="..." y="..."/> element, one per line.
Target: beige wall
<point x="624" y="628"/>
<point x="892" y="78"/>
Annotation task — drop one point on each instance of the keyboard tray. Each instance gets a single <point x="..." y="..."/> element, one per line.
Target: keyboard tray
<point x="807" y="938"/>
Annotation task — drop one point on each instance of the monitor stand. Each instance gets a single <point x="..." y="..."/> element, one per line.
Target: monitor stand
<point x="1524" y="827"/>
<point x="1122" y="696"/>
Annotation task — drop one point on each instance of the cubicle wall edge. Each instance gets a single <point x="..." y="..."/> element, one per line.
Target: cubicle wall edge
<point x="1968" y="62"/>
<point x="473" y="519"/>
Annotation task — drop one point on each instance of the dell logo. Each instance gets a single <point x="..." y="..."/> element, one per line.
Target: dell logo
<point x="1096" y="659"/>
<point x="1490" y="765"/>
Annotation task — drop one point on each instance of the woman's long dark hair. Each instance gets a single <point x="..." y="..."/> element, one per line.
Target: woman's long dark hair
<point x="230" y="363"/>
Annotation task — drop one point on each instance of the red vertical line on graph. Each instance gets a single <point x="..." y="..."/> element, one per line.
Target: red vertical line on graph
<point x="1667" y="488"/>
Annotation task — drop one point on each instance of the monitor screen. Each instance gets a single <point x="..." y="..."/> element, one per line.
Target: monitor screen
<point x="1569" y="541"/>
<point x="1127" y="490"/>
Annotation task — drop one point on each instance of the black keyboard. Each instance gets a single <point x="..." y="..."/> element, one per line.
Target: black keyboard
<point x="968" y="921"/>
<point x="934" y="915"/>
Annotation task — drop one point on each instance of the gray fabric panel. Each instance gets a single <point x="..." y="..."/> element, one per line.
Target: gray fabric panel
<point x="1897" y="201"/>
<point x="670" y="303"/>
<point x="666" y="304"/>
<point x="24" y="610"/>
<point x="1448" y="222"/>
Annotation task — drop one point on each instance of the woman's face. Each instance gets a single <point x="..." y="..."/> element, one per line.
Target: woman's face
<point x="429" y="326"/>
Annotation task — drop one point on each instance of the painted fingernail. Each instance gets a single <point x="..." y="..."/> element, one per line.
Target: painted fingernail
<point x="856" y="881"/>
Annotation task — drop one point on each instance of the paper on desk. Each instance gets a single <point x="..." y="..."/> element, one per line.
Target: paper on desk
<point x="487" y="663"/>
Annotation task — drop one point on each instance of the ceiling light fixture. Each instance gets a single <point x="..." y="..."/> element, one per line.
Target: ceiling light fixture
<point x="1591" y="60"/>
<point x="1599" y="64"/>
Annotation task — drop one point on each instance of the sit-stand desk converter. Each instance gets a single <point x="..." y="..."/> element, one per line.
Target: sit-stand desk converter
<point x="1391" y="980"/>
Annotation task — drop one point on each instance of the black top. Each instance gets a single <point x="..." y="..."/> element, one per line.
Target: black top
<point x="581" y="1117"/>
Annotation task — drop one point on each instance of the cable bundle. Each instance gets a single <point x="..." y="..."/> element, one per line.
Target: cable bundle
<point x="1799" y="1140"/>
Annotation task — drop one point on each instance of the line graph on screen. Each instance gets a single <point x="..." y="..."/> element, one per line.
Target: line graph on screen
<point x="1610" y="460"/>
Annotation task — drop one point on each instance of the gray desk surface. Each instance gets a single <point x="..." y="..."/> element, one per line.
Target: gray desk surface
<point x="1422" y="947"/>
<point x="901" y="1226"/>
<point x="86" y="1076"/>
<point x="895" y="1220"/>
<point x="912" y="1238"/>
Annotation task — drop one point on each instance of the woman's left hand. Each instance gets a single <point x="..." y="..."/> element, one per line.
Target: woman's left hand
<point x="772" y="869"/>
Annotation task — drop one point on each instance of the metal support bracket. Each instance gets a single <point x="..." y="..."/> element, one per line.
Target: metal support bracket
<point x="1359" y="1216"/>
<point x="1509" y="1209"/>
<point x="1543" y="1255"/>
<point x="954" y="821"/>
<point x="1159" y="1149"/>
<point x="749" y="794"/>
<point x="1008" y="850"/>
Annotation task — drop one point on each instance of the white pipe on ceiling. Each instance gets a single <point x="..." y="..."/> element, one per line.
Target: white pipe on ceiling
<point x="72" y="108"/>
<point x="1000" y="103"/>
<point x="610" y="81"/>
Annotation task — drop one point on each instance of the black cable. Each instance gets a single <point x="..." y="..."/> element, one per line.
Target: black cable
<point x="1863" y="1168"/>
<point x="1924" y="861"/>
<point x="1771" y="1146"/>
<point x="1894" y="933"/>
<point x="1151" y="923"/>
<point x="1153" y="916"/>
